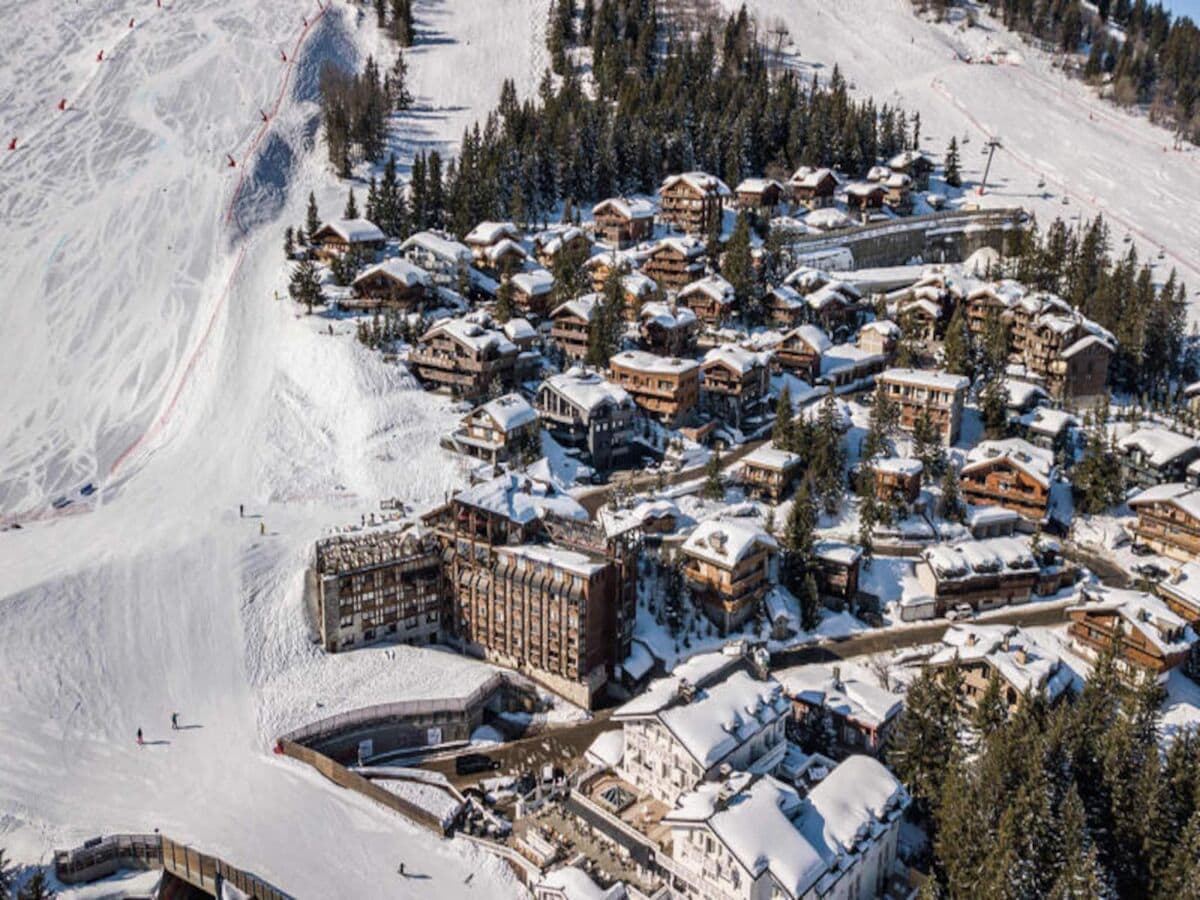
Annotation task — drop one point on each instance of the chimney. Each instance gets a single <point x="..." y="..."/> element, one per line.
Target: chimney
<point x="837" y="677"/>
<point x="971" y="639"/>
<point x="760" y="663"/>
<point x="1021" y="656"/>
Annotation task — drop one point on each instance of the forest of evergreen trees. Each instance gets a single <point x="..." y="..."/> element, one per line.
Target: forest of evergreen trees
<point x="1157" y="64"/>
<point x="1074" y="801"/>
<point x="647" y="105"/>
<point x="1118" y="292"/>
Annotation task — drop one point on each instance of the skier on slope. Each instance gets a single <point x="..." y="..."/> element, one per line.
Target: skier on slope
<point x="139" y="738"/>
<point x="174" y="721"/>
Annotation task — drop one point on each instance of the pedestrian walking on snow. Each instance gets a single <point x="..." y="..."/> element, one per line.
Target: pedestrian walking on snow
<point x="140" y="741"/>
<point x="174" y="721"/>
<point x="401" y="869"/>
<point x="262" y="528"/>
<point x="241" y="511"/>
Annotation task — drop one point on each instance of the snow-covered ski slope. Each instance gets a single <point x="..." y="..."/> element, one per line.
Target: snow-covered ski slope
<point x="1103" y="159"/>
<point x="143" y="351"/>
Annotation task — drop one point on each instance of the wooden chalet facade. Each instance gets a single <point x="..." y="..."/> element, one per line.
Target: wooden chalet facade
<point x="1012" y="474"/>
<point x="1149" y="637"/>
<point x="531" y="291"/>
<point x="619" y="222"/>
<point x="499" y="430"/>
<point x="1168" y="520"/>
<point x="770" y="472"/>
<point x="667" y="330"/>
<point x="341" y="236"/>
<point x="674" y="263"/>
<point x="571" y="325"/>
<point x="838" y="565"/>
<point x="897" y="480"/>
<point x="582" y="409"/>
<point x="801" y="350"/>
<point x="734" y="384"/>
<point x="938" y="393"/>
<point x="785" y="307"/>
<point x="690" y="201"/>
<point x="710" y="298"/>
<point x="760" y="195"/>
<point x="813" y="188"/>
<point x="727" y="565"/>
<point x="394" y="284"/>
<point x="464" y="357"/>
<point x="666" y="388"/>
<point x="865" y="196"/>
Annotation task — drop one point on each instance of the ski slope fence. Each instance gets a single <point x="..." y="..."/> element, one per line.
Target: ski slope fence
<point x="352" y="781"/>
<point x="104" y="856"/>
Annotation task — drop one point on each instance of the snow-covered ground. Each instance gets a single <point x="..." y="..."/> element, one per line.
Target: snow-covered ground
<point x="144" y="352"/>
<point x="1101" y="158"/>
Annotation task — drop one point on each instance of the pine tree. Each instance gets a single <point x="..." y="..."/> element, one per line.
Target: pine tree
<point x="713" y="488"/>
<point x="952" y="505"/>
<point x="925" y="739"/>
<point x="6" y="876"/>
<point x="1097" y="480"/>
<point x="36" y="888"/>
<point x="351" y="211"/>
<point x="884" y="418"/>
<point x="1181" y="879"/>
<point x="289" y="248"/>
<point x="927" y="447"/>
<point x="957" y="345"/>
<point x="400" y="95"/>
<point x="993" y="405"/>
<point x="1080" y="875"/>
<point x="951" y="173"/>
<point x="305" y="286"/>
<point x="737" y="266"/>
<point x="810" y="603"/>
<point x="868" y="516"/>
<point x="782" y="431"/>
<point x="991" y="711"/>
<point x="504" y="300"/>
<point x="312" y="222"/>
<point x="828" y="456"/>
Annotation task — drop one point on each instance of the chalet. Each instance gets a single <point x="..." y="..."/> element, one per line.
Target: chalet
<point x="503" y="256"/>
<point x="727" y="564"/>
<point x="754" y="836"/>
<point x="801" y="350"/>
<point x="711" y="299"/>
<point x="813" y="188"/>
<point x="392" y="284"/>
<point x="573" y="883"/>
<point x="838" y="565"/>
<point x="667" y="330"/>
<point x="491" y="244"/>
<point x="827" y="220"/>
<point x="521" y="333"/>
<point x="620" y="222"/>
<point x="651" y="517"/>
<point x="785" y="307"/>
<point x="1155" y="455"/>
<point x="675" y="262"/>
<point x="638" y="289"/>
<point x="531" y="291"/>
<point x="734" y="384"/>
<point x="1149" y="637"/>
<point x="1022" y="666"/>
<point x="848" y="366"/>
<point x="861" y="713"/>
<point x="569" y="238"/>
<point x="937" y="393"/>
<point x="1192" y="395"/>
<point x="864" y="196"/>
<point x="666" y="388"/>
<point x="1181" y="592"/>
<point x="770" y="472"/>
<point x="499" y="430"/>
<point x="582" y="409"/>
<point x="987" y="574"/>
<point x="341" y="236"/>
<point x="1011" y="473"/>
<point x="676" y="732"/>
<point x="1047" y="428"/>
<point x="760" y="195"/>
<point x="692" y="200"/>
<point x="602" y="265"/>
<point x="446" y="260"/>
<point x="834" y="305"/>
<point x="916" y="165"/>
<point x="899" y="192"/>
<point x="922" y="319"/>
<point x="463" y="356"/>
<point x="897" y="479"/>
<point x="879" y="337"/>
<point x="1168" y="520"/>
<point x="572" y="324"/>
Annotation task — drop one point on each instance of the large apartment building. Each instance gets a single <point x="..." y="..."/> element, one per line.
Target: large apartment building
<point x="937" y="393"/>
<point x="382" y="584"/>
<point x="532" y="586"/>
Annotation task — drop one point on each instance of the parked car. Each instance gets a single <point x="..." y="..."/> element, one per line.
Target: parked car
<point x="1140" y="550"/>
<point x="473" y="763"/>
<point x="961" y="611"/>
<point x="1150" y="571"/>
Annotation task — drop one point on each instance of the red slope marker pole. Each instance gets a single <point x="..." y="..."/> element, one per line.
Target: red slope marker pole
<point x="232" y="163"/>
<point x="100" y="56"/>
<point x="131" y="23"/>
<point x="283" y="56"/>
<point x="62" y="105"/>
<point x="12" y="145"/>
<point x="265" y="117"/>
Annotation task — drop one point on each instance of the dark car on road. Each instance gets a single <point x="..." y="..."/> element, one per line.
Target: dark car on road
<point x="473" y="763"/>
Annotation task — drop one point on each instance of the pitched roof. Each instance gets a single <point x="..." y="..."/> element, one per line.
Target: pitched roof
<point x="510" y="411"/>
<point x="701" y="182"/>
<point x="587" y="390"/>
<point x="354" y="231"/>
<point x="400" y="270"/>
<point x="726" y="543"/>
<point x="629" y="207"/>
<point x="521" y="499"/>
<point x="444" y="248"/>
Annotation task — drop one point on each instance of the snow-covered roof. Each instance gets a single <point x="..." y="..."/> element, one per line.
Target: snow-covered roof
<point x="815" y="337"/>
<point x="575" y="884"/>
<point x="1084" y="343"/>
<point x="1182" y="496"/>
<point x="713" y="286"/>
<point x="1036" y="462"/>
<point x="696" y="671"/>
<point x="486" y="233"/>
<point x="637" y="284"/>
<point x="1183" y="584"/>
<point x="559" y="557"/>
<point x="444" y="248"/>
<point x="662" y="314"/>
<point x="534" y="283"/>
<point x="473" y="335"/>
<point x="863" y="189"/>
<point x="1016" y="655"/>
<point x="726" y="543"/>
<point x="641" y="361"/>
<point x="835" y="292"/>
<point x="757" y="185"/>
<point x="843" y="356"/>
<point x="835" y="551"/>
<point x="1161" y="446"/>
<point x="521" y="499"/>
<point x="906" y="158"/>
<point x="497" y="251"/>
<point x="878" y="173"/>
<point x="620" y="521"/>
<point x="885" y="327"/>
<point x="723" y="717"/>
<point x="588" y="390"/>
<point x="768" y="456"/>
<point x="399" y="270"/>
<point x="608" y="748"/>
<point x="354" y="231"/>
<point x="787" y="296"/>
<point x="898" y="465"/>
<point x="736" y="358"/>
<point x="986" y="557"/>
<point x="686" y="246"/>
<point x="582" y="307"/>
<point x="701" y="182"/>
<point x="1145" y="612"/>
<point x="1047" y="421"/>
<point x="552" y="240"/>
<point x="630" y="208"/>
<point x="840" y="811"/>
<point x="851" y="697"/>
<point x="1022" y="393"/>
<point x="509" y="412"/>
<point x="934" y="379"/>
<point x="809" y="177"/>
<point x="518" y="330"/>
<point x="807" y="279"/>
